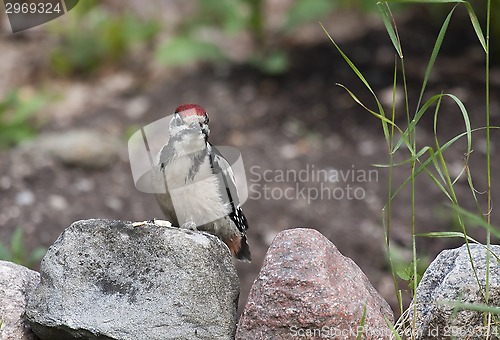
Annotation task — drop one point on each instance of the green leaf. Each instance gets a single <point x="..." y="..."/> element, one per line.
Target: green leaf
<point x="37" y="254"/>
<point x="138" y="31"/>
<point x="228" y="14"/>
<point x="407" y="273"/>
<point x="26" y="109"/>
<point x="404" y="274"/>
<point x="9" y="101"/>
<point x="15" y="115"/>
<point x="18" y="253"/>
<point x="17" y="246"/>
<point x="304" y="11"/>
<point x="184" y="50"/>
<point x="276" y="62"/>
<point x="5" y="253"/>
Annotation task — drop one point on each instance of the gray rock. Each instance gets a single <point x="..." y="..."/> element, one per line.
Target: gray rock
<point x="307" y="289"/>
<point x="111" y="280"/>
<point x="83" y="148"/>
<point x="16" y="283"/>
<point x="450" y="279"/>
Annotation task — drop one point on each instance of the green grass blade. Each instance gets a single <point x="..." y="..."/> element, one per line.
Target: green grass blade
<point x="376" y="114"/>
<point x="348" y="61"/>
<point x="37" y="254"/>
<point x="468" y="7"/>
<point x="390" y="26"/>
<point x="475" y="24"/>
<point x="420" y="153"/>
<point x="441" y="173"/>
<point x="5" y="253"/>
<point x="426" y="106"/>
<point x="361" y="327"/>
<point x="486" y="47"/>
<point x="447" y="234"/>
<point x="479" y="220"/>
<point x="395" y="333"/>
<point x="17" y="246"/>
<point x="470" y="306"/>
<point x="363" y="80"/>
<point x="456" y="234"/>
<point x="427" y="161"/>
<point x="434" y="54"/>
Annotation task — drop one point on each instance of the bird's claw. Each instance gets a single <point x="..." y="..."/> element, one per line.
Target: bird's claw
<point x="160" y="223"/>
<point x="190" y="225"/>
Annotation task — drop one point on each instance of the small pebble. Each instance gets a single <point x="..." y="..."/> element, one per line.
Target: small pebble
<point x="58" y="202"/>
<point x="84" y="185"/>
<point x="25" y="197"/>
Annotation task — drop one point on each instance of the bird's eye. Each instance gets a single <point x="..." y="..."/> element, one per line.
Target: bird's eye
<point x="177" y="120"/>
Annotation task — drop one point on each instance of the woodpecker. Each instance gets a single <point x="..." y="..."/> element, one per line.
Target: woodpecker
<point x="198" y="189"/>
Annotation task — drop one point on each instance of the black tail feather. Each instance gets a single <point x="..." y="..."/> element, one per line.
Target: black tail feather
<point x="243" y="253"/>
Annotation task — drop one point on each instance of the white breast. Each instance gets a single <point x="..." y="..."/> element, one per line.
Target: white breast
<point x="197" y="200"/>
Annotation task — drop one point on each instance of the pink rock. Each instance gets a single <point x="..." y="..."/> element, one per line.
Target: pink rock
<point x="308" y="289"/>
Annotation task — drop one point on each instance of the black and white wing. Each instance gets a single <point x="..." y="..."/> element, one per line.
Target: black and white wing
<point x="221" y="165"/>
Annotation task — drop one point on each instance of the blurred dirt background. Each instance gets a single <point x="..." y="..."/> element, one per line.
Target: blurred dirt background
<point x="80" y="90"/>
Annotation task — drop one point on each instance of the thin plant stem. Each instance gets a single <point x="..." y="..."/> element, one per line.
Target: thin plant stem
<point x="387" y="213"/>
<point x="488" y="158"/>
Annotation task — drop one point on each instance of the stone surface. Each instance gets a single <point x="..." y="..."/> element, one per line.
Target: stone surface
<point x="450" y="278"/>
<point x="16" y="283"/>
<point x="308" y="289"/>
<point x="83" y="148"/>
<point x="111" y="280"/>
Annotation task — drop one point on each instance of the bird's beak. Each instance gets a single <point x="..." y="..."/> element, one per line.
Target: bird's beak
<point x="195" y="126"/>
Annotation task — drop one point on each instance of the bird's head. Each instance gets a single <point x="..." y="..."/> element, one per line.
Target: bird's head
<point x="189" y="118"/>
